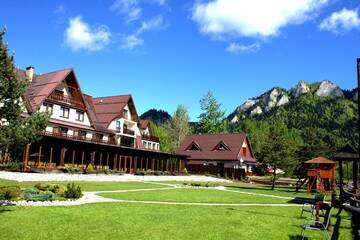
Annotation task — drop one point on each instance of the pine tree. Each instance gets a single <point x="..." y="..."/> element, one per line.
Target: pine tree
<point x="15" y="130"/>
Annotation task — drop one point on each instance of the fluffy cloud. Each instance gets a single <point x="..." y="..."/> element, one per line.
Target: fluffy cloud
<point x="237" y="48"/>
<point x="81" y="36"/>
<point x="252" y="18"/>
<point x="153" y="24"/>
<point x="129" y="8"/>
<point x="341" y="21"/>
<point x="131" y="41"/>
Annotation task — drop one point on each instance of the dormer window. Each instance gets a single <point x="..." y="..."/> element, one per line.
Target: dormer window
<point x="193" y="147"/>
<point x="80" y="116"/>
<point x="221" y="147"/>
<point x="125" y="114"/>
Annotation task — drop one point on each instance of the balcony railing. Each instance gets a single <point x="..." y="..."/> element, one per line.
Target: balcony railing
<point x="150" y="138"/>
<point x="79" y="138"/>
<point x="128" y="131"/>
<point x="57" y="97"/>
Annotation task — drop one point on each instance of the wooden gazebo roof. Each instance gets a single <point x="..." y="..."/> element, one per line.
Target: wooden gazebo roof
<point x="346" y="153"/>
<point x="320" y="160"/>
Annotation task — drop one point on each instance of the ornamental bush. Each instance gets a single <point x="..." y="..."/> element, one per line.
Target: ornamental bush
<point x="72" y="191"/>
<point x="10" y="193"/>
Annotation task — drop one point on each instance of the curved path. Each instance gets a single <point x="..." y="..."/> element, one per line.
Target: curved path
<point x="93" y="197"/>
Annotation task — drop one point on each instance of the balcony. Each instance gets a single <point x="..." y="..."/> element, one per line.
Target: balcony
<point x="79" y="138"/>
<point x="57" y="97"/>
<point x="150" y="138"/>
<point x="128" y="131"/>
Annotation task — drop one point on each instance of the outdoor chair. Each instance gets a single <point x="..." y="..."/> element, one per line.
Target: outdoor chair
<point x="310" y="207"/>
<point x="318" y="225"/>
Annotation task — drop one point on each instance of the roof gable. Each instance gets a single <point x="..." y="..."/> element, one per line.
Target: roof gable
<point x="194" y="146"/>
<point x="221" y="146"/>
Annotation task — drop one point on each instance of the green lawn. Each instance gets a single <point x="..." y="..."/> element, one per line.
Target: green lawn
<point x="146" y="221"/>
<point x="92" y="186"/>
<point x="194" y="195"/>
<point x="156" y="221"/>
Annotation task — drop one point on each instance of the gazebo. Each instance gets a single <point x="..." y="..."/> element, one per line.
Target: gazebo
<point x="321" y="175"/>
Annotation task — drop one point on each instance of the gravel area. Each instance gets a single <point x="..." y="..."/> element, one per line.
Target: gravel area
<point x="43" y="177"/>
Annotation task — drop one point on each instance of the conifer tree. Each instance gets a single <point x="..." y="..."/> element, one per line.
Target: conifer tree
<point x="15" y="129"/>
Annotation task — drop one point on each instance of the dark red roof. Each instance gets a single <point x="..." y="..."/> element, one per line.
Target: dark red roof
<point x="207" y="143"/>
<point x="109" y="108"/>
<point x="41" y="86"/>
<point x="144" y="123"/>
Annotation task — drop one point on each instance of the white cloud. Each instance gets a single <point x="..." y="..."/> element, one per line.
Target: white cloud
<point x="341" y="21"/>
<point x="153" y="24"/>
<point x="129" y="8"/>
<point x="60" y="9"/>
<point x="252" y="18"/>
<point x="237" y="48"/>
<point x="80" y="36"/>
<point x="131" y="41"/>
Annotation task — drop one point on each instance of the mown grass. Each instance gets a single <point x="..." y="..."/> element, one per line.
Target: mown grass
<point x="90" y="186"/>
<point x="148" y="221"/>
<point x="195" y="196"/>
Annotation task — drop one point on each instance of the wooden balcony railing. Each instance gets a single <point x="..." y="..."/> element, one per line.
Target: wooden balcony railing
<point x="57" y="97"/>
<point x="150" y="138"/>
<point x="128" y="131"/>
<point x="79" y="138"/>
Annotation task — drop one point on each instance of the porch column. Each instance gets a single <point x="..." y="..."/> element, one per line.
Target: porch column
<point x="147" y="163"/>
<point x="82" y="161"/>
<point x="125" y="164"/>
<point x="73" y="158"/>
<point x="50" y="160"/>
<point x="26" y="156"/>
<point x="115" y="160"/>
<point x="141" y="164"/>
<point x="39" y="157"/>
<point x="101" y="166"/>
<point x="152" y="164"/>
<point x="120" y="162"/>
<point x="167" y="164"/>
<point x="107" y="160"/>
<point x="135" y="164"/>
<point x="130" y="168"/>
<point x="62" y="156"/>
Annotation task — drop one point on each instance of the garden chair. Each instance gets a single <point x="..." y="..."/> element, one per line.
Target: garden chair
<point x="310" y="207"/>
<point x="318" y="225"/>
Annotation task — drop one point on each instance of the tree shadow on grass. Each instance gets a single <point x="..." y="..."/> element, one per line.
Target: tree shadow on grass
<point x="260" y="213"/>
<point x="279" y="189"/>
<point x="301" y="200"/>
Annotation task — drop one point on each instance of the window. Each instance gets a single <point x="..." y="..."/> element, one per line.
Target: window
<point x="82" y="134"/>
<point x="221" y="147"/>
<point x="125" y="114"/>
<point x="64" y="112"/>
<point x="118" y="126"/>
<point x="193" y="147"/>
<point x="48" y="107"/>
<point x="79" y="116"/>
<point x="64" y="131"/>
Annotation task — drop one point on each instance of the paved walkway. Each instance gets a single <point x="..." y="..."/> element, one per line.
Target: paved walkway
<point x="42" y="177"/>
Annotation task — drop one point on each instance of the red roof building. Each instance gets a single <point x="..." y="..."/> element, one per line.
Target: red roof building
<point x="224" y="150"/>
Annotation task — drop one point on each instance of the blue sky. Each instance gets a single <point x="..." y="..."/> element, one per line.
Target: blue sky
<point x="167" y="52"/>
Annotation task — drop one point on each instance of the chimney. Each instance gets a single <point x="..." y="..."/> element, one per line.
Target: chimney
<point x="29" y="73"/>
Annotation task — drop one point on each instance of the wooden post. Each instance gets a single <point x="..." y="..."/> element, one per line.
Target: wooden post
<point x="162" y="165"/>
<point x="62" y="156"/>
<point x="135" y="164"/>
<point x="147" y="164"/>
<point x="141" y="163"/>
<point x="167" y="164"/>
<point x="39" y="157"/>
<point x="114" y="164"/>
<point x="100" y="161"/>
<point x="130" y="168"/>
<point x="26" y="156"/>
<point x="107" y="160"/>
<point x="50" y="160"/>
<point x="73" y="158"/>
<point x="82" y="160"/>
<point x="152" y="164"/>
<point x="125" y="164"/>
<point x="119" y="162"/>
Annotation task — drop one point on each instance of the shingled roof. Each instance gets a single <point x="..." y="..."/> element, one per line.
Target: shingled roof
<point x="207" y="146"/>
<point x="41" y="86"/>
<point x="109" y="108"/>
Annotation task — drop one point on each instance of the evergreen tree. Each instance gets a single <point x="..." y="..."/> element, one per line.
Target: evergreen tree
<point x="212" y="119"/>
<point x="15" y="130"/>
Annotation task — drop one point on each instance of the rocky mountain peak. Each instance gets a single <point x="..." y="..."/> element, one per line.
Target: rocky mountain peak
<point x="276" y="97"/>
<point x="300" y="89"/>
<point x="327" y="88"/>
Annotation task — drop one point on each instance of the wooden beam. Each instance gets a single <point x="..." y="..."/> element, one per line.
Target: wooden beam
<point x="82" y="161"/>
<point x="39" y="157"/>
<point x="147" y="163"/>
<point x="26" y="156"/>
<point x="101" y="166"/>
<point x="130" y="167"/>
<point x="51" y="154"/>
<point x="120" y="162"/>
<point x="114" y="163"/>
<point x="62" y="157"/>
<point x="135" y="164"/>
<point x="125" y="164"/>
<point x="107" y="160"/>
<point x="73" y="158"/>
<point x="152" y="164"/>
<point x="141" y="163"/>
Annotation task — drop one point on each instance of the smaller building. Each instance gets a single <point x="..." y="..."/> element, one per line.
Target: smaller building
<point x="218" y="154"/>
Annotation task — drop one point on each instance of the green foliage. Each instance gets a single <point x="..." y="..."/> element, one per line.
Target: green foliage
<point x="179" y="127"/>
<point x="89" y="168"/>
<point x="10" y="193"/>
<point x="72" y="191"/>
<point x="157" y="116"/>
<point x="163" y="134"/>
<point x="212" y="118"/>
<point x="34" y="194"/>
<point x="17" y="130"/>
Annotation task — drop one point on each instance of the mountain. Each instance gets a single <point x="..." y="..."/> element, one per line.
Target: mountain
<point x="156" y="116"/>
<point x="277" y="97"/>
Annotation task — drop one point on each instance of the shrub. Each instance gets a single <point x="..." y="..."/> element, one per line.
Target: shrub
<point x="10" y="193"/>
<point x="58" y="189"/>
<point x="185" y="172"/>
<point x="107" y="171"/>
<point x="34" y="194"/>
<point x="90" y="168"/>
<point x="72" y="191"/>
<point x="42" y="186"/>
<point x="149" y="172"/>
